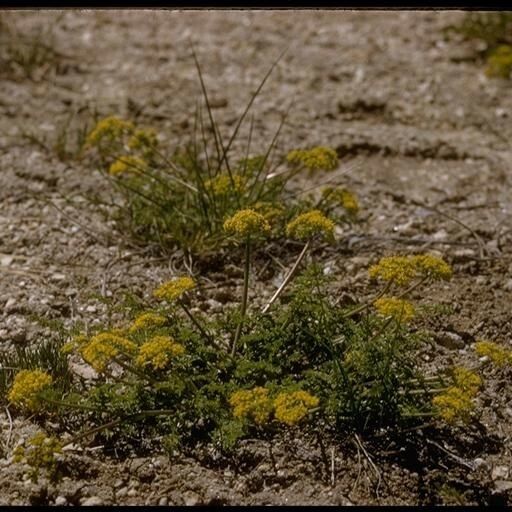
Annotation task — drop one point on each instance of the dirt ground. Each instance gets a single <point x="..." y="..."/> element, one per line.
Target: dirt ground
<point x="426" y="139"/>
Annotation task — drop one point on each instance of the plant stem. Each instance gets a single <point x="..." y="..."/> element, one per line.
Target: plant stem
<point x="113" y="423"/>
<point x="245" y="294"/>
<point x="194" y="320"/>
<point x="288" y="278"/>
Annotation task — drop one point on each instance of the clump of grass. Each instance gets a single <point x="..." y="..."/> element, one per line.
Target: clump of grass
<point x="27" y="55"/>
<point x="182" y="198"/>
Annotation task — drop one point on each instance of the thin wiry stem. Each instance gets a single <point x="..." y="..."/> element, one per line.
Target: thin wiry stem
<point x="288" y="278"/>
<point x="245" y="294"/>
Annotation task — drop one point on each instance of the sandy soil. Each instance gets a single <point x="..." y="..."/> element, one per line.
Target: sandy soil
<point x="427" y="138"/>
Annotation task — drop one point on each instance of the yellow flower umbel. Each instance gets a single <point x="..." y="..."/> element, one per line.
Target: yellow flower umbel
<point x="309" y="224"/>
<point x="467" y="380"/>
<point x="222" y="185"/>
<point x="127" y="163"/>
<point x="453" y="404"/>
<point x="403" y="269"/>
<point x="147" y="321"/>
<point x="111" y="128"/>
<point x="499" y="63"/>
<point x="400" y="309"/>
<point x="40" y="454"/>
<point x="158" y="352"/>
<point x="104" y="347"/>
<point x="292" y="407"/>
<point x="497" y="354"/>
<point x="143" y="140"/>
<point x="319" y="158"/>
<point x="246" y="223"/>
<point x="26" y="387"/>
<point x="343" y="197"/>
<point x="173" y="290"/>
<point x="252" y="404"/>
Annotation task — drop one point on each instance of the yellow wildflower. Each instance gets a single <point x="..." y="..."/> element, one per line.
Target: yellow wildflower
<point x="433" y="266"/>
<point x="127" y="163"/>
<point x="399" y="309"/>
<point x="40" y="454"/>
<point x="499" y="63"/>
<point x="467" y="380"/>
<point x="104" y="347"/>
<point x="143" y="139"/>
<point x="158" y="352"/>
<point x="497" y="354"/>
<point x="453" y="404"/>
<point x="253" y="404"/>
<point x="111" y="128"/>
<point x="147" y="321"/>
<point x="403" y="269"/>
<point x="343" y="197"/>
<point x="315" y="158"/>
<point x="172" y="290"/>
<point x="26" y="387"/>
<point x="222" y="185"/>
<point x="245" y="223"/>
<point x="292" y="407"/>
<point x="309" y="224"/>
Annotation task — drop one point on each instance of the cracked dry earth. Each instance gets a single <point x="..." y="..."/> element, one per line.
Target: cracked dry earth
<point x="426" y="140"/>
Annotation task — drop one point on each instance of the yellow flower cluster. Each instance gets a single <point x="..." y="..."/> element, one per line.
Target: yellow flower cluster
<point x="146" y="321"/>
<point x="143" y="140"/>
<point x="401" y="310"/>
<point x="499" y="63"/>
<point x="158" y="352"/>
<point x="403" y="269"/>
<point x="253" y="404"/>
<point x="453" y="404"/>
<point x="292" y="407"/>
<point x="39" y="454"/>
<point x="245" y="223"/>
<point x="343" y="197"/>
<point x="73" y="344"/>
<point x="467" y="380"/>
<point x="173" y="290"/>
<point x="104" y="347"/>
<point x="309" y="224"/>
<point x="314" y="159"/>
<point x="222" y="185"/>
<point x="26" y="387"/>
<point x="127" y="163"/>
<point x="111" y="128"/>
<point x="456" y="402"/>
<point x="256" y="405"/>
<point x="497" y="354"/>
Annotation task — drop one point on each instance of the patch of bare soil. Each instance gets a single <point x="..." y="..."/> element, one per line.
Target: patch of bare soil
<point x="426" y="139"/>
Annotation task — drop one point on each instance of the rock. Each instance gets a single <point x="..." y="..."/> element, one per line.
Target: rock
<point x="132" y="493"/>
<point x="218" y="102"/>
<point x="508" y="285"/>
<point x="19" y="336"/>
<point x="163" y="502"/>
<point x="450" y="340"/>
<point x="503" y="485"/>
<point x="121" y="493"/>
<point x="93" y="501"/>
<point x="479" y="462"/>
<point x="191" y="499"/>
<point x="499" y="472"/>
<point x="11" y="306"/>
<point x="60" y="501"/>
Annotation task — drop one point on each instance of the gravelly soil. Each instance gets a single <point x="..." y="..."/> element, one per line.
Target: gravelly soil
<point x="425" y="137"/>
